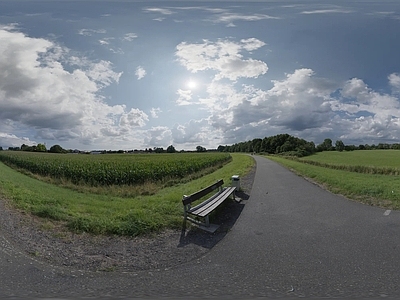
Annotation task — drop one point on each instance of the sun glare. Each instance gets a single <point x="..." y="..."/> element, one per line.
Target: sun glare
<point x="191" y="84"/>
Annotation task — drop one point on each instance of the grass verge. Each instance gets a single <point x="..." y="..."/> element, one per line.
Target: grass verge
<point x="371" y="189"/>
<point x="105" y="214"/>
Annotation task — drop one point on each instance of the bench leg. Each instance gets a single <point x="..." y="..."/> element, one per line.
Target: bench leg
<point x="207" y="221"/>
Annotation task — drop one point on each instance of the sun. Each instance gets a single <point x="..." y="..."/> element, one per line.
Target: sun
<point x="191" y="84"/>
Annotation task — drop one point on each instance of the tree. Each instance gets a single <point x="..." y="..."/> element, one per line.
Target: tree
<point x="56" y="149"/>
<point x="171" y="149"/>
<point x="25" y="147"/>
<point x="158" y="150"/>
<point x="326" y="145"/>
<point x="1" y="148"/>
<point x="41" y="148"/>
<point x="200" y="149"/>
<point x="256" y="144"/>
<point x="221" y="148"/>
<point x="339" y="145"/>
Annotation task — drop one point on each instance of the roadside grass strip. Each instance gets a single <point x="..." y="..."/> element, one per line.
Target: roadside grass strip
<point x="372" y="189"/>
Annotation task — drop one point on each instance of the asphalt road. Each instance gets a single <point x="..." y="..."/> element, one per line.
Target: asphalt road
<point x="292" y="239"/>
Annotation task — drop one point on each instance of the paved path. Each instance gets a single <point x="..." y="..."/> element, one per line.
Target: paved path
<point x="292" y="239"/>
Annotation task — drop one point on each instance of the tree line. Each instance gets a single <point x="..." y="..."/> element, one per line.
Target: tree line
<point x="39" y="148"/>
<point x="284" y="144"/>
<point x="281" y="143"/>
<point x="59" y="149"/>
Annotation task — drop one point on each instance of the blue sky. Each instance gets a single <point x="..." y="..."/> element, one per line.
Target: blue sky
<point x="133" y="75"/>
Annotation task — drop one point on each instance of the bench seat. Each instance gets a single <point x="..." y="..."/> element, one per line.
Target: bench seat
<point x="205" y="208"/>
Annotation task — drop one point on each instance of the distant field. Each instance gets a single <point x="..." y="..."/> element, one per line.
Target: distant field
<point x="376" y="158"/>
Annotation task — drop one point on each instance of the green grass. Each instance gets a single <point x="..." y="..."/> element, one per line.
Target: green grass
<point x="383" y="162"/>
<point x="105" y="214"/>
<point x="372" y="189"/>
<point x="375" y="158"/>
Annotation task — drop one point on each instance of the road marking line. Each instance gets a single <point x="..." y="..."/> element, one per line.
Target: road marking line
<point x="386" y="213"/>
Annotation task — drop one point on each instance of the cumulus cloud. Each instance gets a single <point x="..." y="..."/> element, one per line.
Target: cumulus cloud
<point x="394" y="81"/>
<point x="11" y="140"/>
<point x="184" y="97"/>
<point x="159" y="136"/>
<point x="224" y="57"/>
<point x="140" y="72"/>
<point x="306" y="104"/>
<point x="133" y="118"/>
<point x="154" y="112"/>
<point x="59" y="96"/>
<point x="301" y="103"/>
<point x="297" y="103"/>
<point x="194" y="133"/>
<point x="190" y="134"/>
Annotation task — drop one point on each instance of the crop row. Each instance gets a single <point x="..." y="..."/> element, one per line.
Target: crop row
<point x="114" y="169"/>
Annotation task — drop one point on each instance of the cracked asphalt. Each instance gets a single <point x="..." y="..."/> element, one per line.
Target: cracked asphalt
<point x="292" y="239"/>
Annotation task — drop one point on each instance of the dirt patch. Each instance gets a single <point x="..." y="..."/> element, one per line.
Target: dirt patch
<point x="47" y="243"/>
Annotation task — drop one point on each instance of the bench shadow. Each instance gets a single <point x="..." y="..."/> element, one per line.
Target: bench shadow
<point x="225" y="216"/>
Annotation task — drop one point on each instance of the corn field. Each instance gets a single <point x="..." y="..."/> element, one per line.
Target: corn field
<point x="113" y="169"/>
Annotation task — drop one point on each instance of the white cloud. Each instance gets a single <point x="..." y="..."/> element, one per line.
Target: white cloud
<point x="134" y="118"/>
<point x="303" y="104"/>
<point x="327" y="11"/>
<point x="43" y="89"/>
<point x="159" y="136"/>
<point x="360" y="98"/>
<point x="163" y="11"/>
<point x="11" y="140"/>
<point x="192" y="134"/>
<point x="394" y="81"/>
<point x="218" y="15"/>
<point x="129" y="37"/>
<point x="229" y="18"/>
<point x="102" y="73"/>
<point x="90" y="32"/>
<point x="140" y="72"/>
<point x="154" y="112"/>
<point x="224" y="57"/>
<point x="184" y="97"/>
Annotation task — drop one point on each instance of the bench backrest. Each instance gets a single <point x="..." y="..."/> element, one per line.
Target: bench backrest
<point x="196" y="196"/>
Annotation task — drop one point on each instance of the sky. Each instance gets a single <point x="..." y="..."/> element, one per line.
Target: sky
<point x="94" y="75"/>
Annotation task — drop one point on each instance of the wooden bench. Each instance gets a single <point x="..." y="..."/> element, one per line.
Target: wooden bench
<point x="204" y="209"/>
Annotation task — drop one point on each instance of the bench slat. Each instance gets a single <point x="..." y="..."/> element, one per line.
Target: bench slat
<point x="212" y="203"/>
<point x="195" y="196"/>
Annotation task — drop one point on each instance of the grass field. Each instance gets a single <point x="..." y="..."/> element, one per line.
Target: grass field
<point x="105" y="214"/>
<point x="375" y="158"/>
<point x="373" y="188"/>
